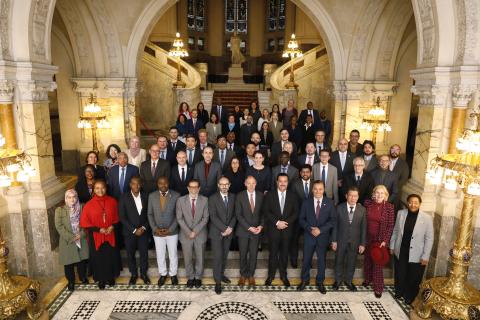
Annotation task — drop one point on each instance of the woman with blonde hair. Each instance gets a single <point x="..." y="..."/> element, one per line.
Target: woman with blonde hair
<point x="380" y="221"/>
<point x="136" y="155"/>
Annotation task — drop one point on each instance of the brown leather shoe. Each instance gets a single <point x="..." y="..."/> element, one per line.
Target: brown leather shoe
<point x="251" y="281"/>
<point x="241" y="281"/>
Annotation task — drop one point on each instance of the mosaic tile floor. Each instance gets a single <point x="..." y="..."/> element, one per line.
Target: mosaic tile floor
<point x="148" y="302"/>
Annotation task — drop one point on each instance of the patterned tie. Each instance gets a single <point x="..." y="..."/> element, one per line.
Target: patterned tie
<point x="317" y="210"/>
<point x="153" y="168"/>
<point x="282" y="202"/>
<point x="350" y="215"/>
<point x="323" y="174"/>
<point x="183" y="174"/>
<point x="252" y="203"/>
<point x="193" y="208"/>
<point x="306" y="190"/>
<point x="122" y="180"/>
<point x="163" y="200"/>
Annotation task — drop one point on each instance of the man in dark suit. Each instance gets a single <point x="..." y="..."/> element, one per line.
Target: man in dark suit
<point x="400" y="168"/>
<point x="181" y="174"/>
<point x="348" y="238"/>
<point x="194" y="124"/>
<point x="320" y="142"/>
<point x="221" y="207"/>
<point x="246" y="131"/>
<point x="175" y="144"/>
<point x="248" y="210"/>
<point x="281" y="211"/>
<point x="232" y="144"/>
<point x="278" y="147"/>
<point x="151" y="170"/>
<point x="203" y="140"/>
<point x="371" y="162"/>
<point x="231" y="126"/>
<point x="383" y="176"/>
<point x="165" y="152"/>
<point x="207" y="172"/>
<point x="220" y="111"/>
<point x="308" y="132"/>
<point x="285" y="167"/>
<point x="302" y="119"/>
<point x="310" y="157"/>
<point x="343" y="161"/>
<point x="221" y="154"/>
<point x="194" y="154"/>
<point x="132" y="210"/>
<point x="361" y="179"/>
<point x="317" y="218"/>
<point x="119" y="176"/>
<point x="325" y="124"/>
<point x="355" y="147"/>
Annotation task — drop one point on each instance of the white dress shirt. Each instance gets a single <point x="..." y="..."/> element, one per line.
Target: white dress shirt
<point x="343" y="158"/>
<point x="393" y="162"/>
<point x="138" y="204"/>
<point x="251" y="194"/>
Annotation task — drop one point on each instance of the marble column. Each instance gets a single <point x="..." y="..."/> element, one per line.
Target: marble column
<point x="461" y="97"/>
<point x="8" y="125"/>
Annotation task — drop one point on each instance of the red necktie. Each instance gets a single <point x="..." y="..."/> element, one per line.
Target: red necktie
<point x="193" y="208"/>
<point x="317" y="210"/>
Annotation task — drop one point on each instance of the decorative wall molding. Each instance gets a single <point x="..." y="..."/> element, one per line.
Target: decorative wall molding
<point x="40" y="28"/>
<point x="462" y="94"/>
<point x="6" y="91"/>
<point x="34" y="90"/>
<point x="427" y="30"/>
<point x="467" y="31"/>
<point x="5" y="29"/>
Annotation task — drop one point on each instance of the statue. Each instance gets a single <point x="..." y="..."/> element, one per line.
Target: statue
<point x="237" y="56"/>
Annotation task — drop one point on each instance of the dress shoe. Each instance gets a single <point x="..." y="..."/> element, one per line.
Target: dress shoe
<point x="321" y="288"/>
<point x="351" y="287"/>
<point x="378" y="295"/>
<point x="71" y="286"/>
<point x="85" y="281"/>
<point x="101" y="285"/>
<point x="111" y="283"/>
<point x="226" y="280"/>
<point x="365" y="283"/>
<point x="198" y="283"/>
<point x="302" y="286"/>
<point x="133" y="280"/>
<point x="241" y="281"/>
<point x="294" y="264"/>
<point x="218" y="288"/>
<point x="174" y="280"/>
<point x="336" y="286"/>
<point x="161" y="281"/>
<point x="190" y="283"/>
<point x="146" y="279"/>
<point x="268" y="282"/>
<point x="251" y="281"/>
<point x="286" y="283"/>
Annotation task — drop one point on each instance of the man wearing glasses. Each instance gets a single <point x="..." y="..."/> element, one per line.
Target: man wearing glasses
<point x="361" y="179"/>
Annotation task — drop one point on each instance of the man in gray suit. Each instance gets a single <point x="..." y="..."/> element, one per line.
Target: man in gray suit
<point x="383" y="175"/>
<point x="248" y="210"/>
<point x="348" y="238"/>
<point x="192" y="217"/>
<point x="221" y="207"/>
<point x="163" y="221"/>
<point x="223" y="155"/>
<point x="327" y="173"/>
<point x="207" y="172"/>
<point x="284" y="167"/>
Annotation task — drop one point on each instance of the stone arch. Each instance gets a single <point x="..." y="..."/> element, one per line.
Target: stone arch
<point x="468" y="32"/>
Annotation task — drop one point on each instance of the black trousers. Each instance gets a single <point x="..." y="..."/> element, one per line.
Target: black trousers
<point x="278" y="256"/>
<point x="311" y="246"/>
<point x="132" y="244"/>
<point x="220" y="250"/>
<point x="81" y="269"/>
<point x="408" y="276"/>
<point x="248" y="247"/>
<point x="296" y="232"/>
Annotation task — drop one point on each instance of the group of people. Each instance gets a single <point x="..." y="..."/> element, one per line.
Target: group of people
<point x="242" y="186"/>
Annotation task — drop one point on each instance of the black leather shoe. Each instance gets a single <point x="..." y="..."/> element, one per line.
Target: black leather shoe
<point x="161" y="281"/>
<point x="111" y="283"/>
<point x="218" y="288"/>
<point x="321" y="288"/>
<point x="351" y="287"/>
<point x="302" y="286"/>
<point x="268" y="282"/>
<point x="146" y="279"/>
<point x="174" y="280"/>
<point x="190" y="283"/>
<point x="71" y="286"/>
<point x="133" y="280"/>
<point x="226" y="280"/>
<point x="336" y="286"/>
<point x="101" y="285"/>
<point x="198" y="283"/>
<point x="286" y="283"/>
<point x="378" y="295"/>
<point x="85" y="281"/>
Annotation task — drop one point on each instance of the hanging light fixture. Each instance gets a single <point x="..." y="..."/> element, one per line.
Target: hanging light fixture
<point x="15" y="166"/>
<point x="292" y="51"/>
<point x="93" y="118"/>
<point x="178" y="51"/>
<point x="376" y="121"/>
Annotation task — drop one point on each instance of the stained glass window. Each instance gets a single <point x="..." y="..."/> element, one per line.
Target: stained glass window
<point x="196" y="15"/>
<point x="276" y="15"/>
<point x="236" y="16"/>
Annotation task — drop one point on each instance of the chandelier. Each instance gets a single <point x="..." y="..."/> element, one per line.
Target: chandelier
<point x="292" y="51"/>
<point x="178" y="51"/>
<point x="93" y="118"/>
<point x="376" y="121"/>
<point x="15" y="166"/>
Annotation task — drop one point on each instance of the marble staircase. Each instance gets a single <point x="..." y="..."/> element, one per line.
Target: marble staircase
<point x="232" y="98"/>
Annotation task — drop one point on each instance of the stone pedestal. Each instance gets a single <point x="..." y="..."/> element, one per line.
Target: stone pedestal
<point x="235" y="74"/>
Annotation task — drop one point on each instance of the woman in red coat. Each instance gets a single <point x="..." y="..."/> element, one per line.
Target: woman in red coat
<point x="380" y="222"/>
<point x="99" y="215"/>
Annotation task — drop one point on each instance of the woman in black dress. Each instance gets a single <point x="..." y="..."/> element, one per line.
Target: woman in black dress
<point x="261" y="173"/>
<point x="266" y="135"/>
<point x="236" y="176"/>
<point x="202" y="113"/>
<point x="84" y="185"/>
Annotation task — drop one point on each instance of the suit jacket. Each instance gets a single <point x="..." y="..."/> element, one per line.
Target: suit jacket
<point x="189" y="223"/>
<point x="213" y="131"/>
<point x="299" y="189"/>
<point x="402" y="171"/>
<point x="268" y="141"/>
<point x="149" y="182"/>
<point x="114" y="183"/>
<point x="235" y="129"/>
<point x="325" y="146"/>
<point x="239" y="152"/>
<point x="303" y="116"/>
<point x="191" y="129"/>
<point x="308" y="135"/>
<point x="83" y="192"/>
<point x="331" y="185"/>
<point x="325" y="222"/>
<point x="245" y="133"/>
<point x="292" y="173"/>
<point x="166" y="218"/>
<point x="348" y="167"/>
<point x="197" y="156"/>
<point x="223" y="117"/>
<point x="277" y="148"/>
<point x="422" y="237"/>
<point x="276" y="130"/>
<point x="303" y="159"/>
<point x="129" y="215"/>
<point x="179" y="145"/>
<point x="345" y="232"/>
<point x="221" y="217"/>
<point x="358" y="152"/>
<point x="365" y="188"/>
<point x="208" y="185"/>
<point x="99" y="172"/>
<point x="272" y="212"/>
<point x="229" y="154"/>
<point x="373" y="164"/>
<point x="176" y="182"/>
<point x="389" y="180"/>
<point x="170" y="156"/>
<point x="245" y="217"/>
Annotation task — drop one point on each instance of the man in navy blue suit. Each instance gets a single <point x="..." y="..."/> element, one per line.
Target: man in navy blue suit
<point x="119" y="176"/>
<point x="317" y="218"/>
<point x="194" y="124"/>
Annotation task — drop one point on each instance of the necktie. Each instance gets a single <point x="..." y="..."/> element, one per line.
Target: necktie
<point x="350" y="215"/>
<point x="153" y="169"/>
<point x="174" y="144"/>
<point x="194" y="121"/>
<point x="193" y="208"/>
<point x="163" y="200"/>
<point x="231" y="146"/>
<point x="319" y="149"/>
<point x="220" y="112"/>
<point x="225" y="201"/>
<point x="284" y="169"/>
<point x="282" y="202"/>
<point x="317" y="210"/>
<point x="306" y="190"/>
<point x="162" y="155"/>
<point x="252" y="203"/>
<point x="183" y="174"/>
<point x="358" y="180"/>
<point x="190" y="157"/>
<point x="323" y="175"/>
<point x="222" y="157"/>
<point x="342" y="160"/>
<point x="122" y="180"/>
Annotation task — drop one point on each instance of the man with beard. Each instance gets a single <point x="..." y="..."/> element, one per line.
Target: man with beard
<point x="401" y="170"/>
<point x="371" y="162"/>
<point x="355" y="147"/>
<point x="383" y="175"/>
<point x="279" y="146"/>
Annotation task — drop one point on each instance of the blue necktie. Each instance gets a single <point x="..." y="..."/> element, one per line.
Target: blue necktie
<point x="225" y="200"/>
<point x="122" y="180"/>
<point x="222" y="157"/>
<point x="323" y="174"/>
<point x="190" y="157"/>
<point x="306" y="190"/>
<point x="162" y="155"/>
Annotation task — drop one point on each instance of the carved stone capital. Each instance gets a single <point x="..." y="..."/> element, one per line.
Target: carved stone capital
<point x="6" y="91"/>
<point x="461" y="95"/>
<point x="35" y="90"/>
<point x="337" y="90"/>
<point x="434" y="95"/>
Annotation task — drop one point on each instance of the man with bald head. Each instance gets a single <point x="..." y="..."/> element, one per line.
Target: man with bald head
<point x="155" y="167"/>
<point x="342" y="159"/>
<point x="119" y="176"/>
